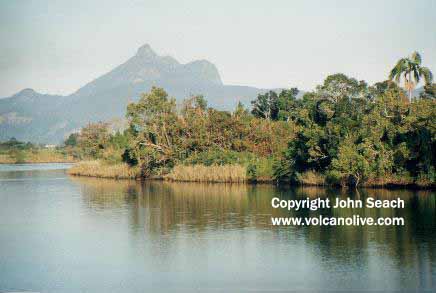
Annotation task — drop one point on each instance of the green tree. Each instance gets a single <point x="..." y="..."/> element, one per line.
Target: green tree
<point x="273" y="106"/>
<point x="93" y="139"/>
<point x="287" y="104"/>
<point x="411" y="70"/>
<point x="266" y="106"/>
<point x="155" y="131"/>
<point x="352" y="163"/>
<point x="72" y="139"/>
<point x="429" y="91"/>
<point x="339" y="86"/>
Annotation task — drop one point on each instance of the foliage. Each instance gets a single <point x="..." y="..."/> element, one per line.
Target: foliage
<point x="92" y="139"/>
<point x="161" y="136"/>
<point x="345" y="132"/>
<point x="411" y="70"/>
<point x="72" y="140"/>
<point x="219" y="157"/>
<point x="429" y="91"/>
<point x="359" y="135"/>
<point x="273" y="106"/>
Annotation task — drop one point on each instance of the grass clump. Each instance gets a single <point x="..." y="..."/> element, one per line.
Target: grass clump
<point x="311" y="178"/>
<point x="214" y="173"/>
<point x="104" y="170"/>
<point x="258" y="169"/>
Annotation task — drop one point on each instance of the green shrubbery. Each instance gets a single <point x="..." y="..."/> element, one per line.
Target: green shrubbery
<point x="355" y="134"/>
<point x="219" y="157"/>
<point x="258" y="168"/>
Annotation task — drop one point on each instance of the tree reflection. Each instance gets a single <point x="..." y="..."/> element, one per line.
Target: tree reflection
<point x="161" y="208"/>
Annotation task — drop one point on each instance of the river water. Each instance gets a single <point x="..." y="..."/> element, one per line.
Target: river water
<point x="70" y="234"/>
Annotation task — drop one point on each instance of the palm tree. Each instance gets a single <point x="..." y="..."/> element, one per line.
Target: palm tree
<point x="410" y="68"/>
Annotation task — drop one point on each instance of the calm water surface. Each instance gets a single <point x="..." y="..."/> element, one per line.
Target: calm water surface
<point x="69" y="234"/>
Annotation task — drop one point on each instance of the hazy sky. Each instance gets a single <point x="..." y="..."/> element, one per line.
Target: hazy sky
<point x="58" y="46"/>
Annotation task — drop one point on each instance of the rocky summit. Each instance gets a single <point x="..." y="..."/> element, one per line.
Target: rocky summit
<point x="43" y="118"/>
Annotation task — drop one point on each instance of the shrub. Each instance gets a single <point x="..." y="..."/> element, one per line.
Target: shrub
<point x="261" y="169"/>
<point x="219" y="157"/>
<point x="334" y="177"/>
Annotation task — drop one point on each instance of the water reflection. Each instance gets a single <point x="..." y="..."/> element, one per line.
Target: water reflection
<point x="70" y="234"/>
<point x="162" y="208"/>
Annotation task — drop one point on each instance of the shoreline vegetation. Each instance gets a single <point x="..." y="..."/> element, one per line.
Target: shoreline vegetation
<point x="227" y="174"/>
<point x="100" y="169"/>
<point x="344" y="133"/>
<point x="38" y="158"/>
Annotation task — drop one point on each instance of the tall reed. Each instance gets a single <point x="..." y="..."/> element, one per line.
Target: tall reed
<point x="214" y="173"/>
<point x="101" y="170"/>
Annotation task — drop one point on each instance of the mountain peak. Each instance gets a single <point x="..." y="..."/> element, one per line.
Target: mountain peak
<point x="146" y="51"/>
<point x="27" y="91"/>
<point x="205" y="70"/>
<point x="49" y="118"/>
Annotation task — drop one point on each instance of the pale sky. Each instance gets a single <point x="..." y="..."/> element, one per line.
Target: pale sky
<point x="58" y="46"/>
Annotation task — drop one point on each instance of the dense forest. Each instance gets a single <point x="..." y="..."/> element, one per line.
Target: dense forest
<point x="345" y="132"/>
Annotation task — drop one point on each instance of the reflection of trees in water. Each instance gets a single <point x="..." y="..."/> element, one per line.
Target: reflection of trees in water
<point x="204" y="206"/>
<point x="162" y="207"/>
<point x="107" y="193"/>
<point x="412" y="245"/>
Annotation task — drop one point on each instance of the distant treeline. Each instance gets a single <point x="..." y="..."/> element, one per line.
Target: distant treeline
<point x="13" y="143"/>
<point x="14" y="151"/>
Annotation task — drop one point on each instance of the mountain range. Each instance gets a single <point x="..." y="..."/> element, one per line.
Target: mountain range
<point x="43" y="118"/>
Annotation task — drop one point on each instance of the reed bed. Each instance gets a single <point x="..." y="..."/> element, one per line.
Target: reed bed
<point x="311" y="178"/>
<point x="48" y="156"/>
<point x="202" y="173"/>
<point x="6" y="159"/>
<point x="101" y="170"/>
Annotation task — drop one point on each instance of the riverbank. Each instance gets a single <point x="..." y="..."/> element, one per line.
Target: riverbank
<point x="228" y="174"/>
<point x="196" y="173"/>
<point x="311" y="178"/>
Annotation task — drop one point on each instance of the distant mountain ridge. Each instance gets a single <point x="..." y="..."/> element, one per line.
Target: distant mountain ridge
<point x="31" y="116"/>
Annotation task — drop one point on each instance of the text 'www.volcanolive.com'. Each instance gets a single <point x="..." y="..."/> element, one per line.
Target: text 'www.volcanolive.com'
<point x="355" y="220"/>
